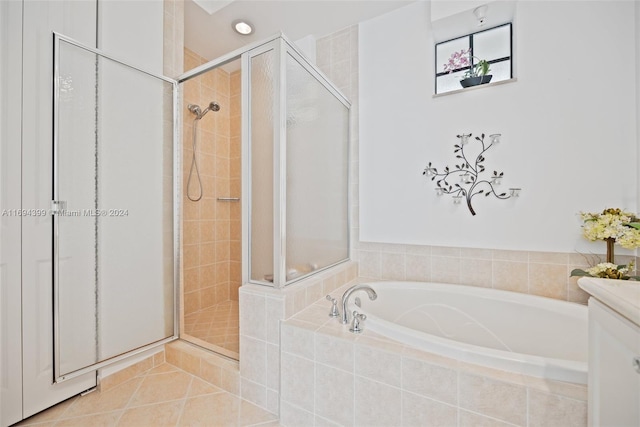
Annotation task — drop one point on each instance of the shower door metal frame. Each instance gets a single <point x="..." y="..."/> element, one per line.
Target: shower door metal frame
<point x="58" y="376"/>
<point x="282" y="47"/>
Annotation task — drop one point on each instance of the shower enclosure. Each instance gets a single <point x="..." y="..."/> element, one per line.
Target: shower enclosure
<point x="119" y="193"/>
<point x="288" y="208"/>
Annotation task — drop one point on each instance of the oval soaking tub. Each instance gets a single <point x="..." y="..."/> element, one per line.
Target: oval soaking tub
<point x="514" y="332"/>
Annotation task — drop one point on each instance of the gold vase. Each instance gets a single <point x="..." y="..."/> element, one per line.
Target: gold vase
<point x="610" y="242"/>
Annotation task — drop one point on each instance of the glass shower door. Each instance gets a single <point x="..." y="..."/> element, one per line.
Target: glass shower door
<point x="113" y="209"/>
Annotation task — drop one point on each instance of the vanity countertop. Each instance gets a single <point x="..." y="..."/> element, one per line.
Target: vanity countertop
<point x="621" y="295"/>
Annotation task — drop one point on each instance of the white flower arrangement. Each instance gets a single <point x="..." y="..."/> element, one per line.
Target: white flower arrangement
<point x="622" y="226"/>
<point x="613" y="226"/>
<point x="607" y="270"/>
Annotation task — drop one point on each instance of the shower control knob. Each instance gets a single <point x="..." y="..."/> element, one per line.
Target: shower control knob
<point x="636" y="363"/>
<point x="334" y="307"/>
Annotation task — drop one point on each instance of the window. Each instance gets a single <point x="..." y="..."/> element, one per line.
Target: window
<point x="494" y="45"/>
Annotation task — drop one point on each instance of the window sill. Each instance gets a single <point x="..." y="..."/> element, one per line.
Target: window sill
<point x="466" y="89"/>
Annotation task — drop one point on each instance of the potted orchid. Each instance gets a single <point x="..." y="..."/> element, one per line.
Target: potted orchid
<point x="476" y="74"/>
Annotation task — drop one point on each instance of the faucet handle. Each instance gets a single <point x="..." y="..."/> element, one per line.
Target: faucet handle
<point x="356" y="328"/>
<point x="334" y="307"/>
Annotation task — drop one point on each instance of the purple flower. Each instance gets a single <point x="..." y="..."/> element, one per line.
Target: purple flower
<point x="462" y="59"/>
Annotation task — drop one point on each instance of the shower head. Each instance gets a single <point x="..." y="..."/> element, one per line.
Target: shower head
<point x="195" y="109"/>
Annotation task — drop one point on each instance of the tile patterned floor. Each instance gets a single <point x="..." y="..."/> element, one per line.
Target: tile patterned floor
<point x="162" y="396"/>
<point x="217" y="325"/>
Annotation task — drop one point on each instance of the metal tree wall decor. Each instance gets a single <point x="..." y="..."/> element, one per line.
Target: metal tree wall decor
<point x="471" y="183"/>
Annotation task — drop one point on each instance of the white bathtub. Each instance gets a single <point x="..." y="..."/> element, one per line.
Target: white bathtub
<point x="514" y="332"/>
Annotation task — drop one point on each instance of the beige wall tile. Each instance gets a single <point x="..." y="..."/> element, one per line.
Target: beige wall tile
<point x="334" y="396"/>
<point x="476" y="253"/>
<point x="334" y="352"/>
<point x="254" y="393"/>
<point x="208" y="297"/>
<point x="476" y="272"/>
<point x="377" y="404"/>
<point x="445" y="269"/>
<point x="230" y="381"/>
<point x="497" y="399"/>
<point x="420" y="411"/>
<point x="445" y="251"/>
<point x="291" y="415"/>
<point x="548" y="280"/>
<point x="469" y="419"/>
<point x="253" y="316"/>
<point x="561" y="258"/>
<point x="511" y="276"/>
<point x="559" y="388"/>
<point x="275" y="312"/>
<point x="418" y="267"/>
<point x="548" y="410"/>
<point x="298" y="338"/>
<point x="503" y="255"/>
<point x="579" y="296"/>
<point x="126" y="374"/>
<point x="429" y="380"/>
<point x="297" y="383"/>
<point x="369" y="263"/>
<point x="377" y="364"/>
<point x="273" y="367"/>
<point x="392" y="266"/>
<point x="211" y="372"/>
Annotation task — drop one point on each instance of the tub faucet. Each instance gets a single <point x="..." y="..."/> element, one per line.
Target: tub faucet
<point x="345" y="299"/>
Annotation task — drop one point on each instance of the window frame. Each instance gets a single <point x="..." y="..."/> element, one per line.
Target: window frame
<point x="470" y="44"/>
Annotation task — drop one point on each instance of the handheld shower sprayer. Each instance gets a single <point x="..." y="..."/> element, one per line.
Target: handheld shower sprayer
<point x="213" y="106"/>
<point x="195" y="109"/>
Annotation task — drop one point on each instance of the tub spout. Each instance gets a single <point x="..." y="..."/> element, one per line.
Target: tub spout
<point x="345" y="299"/>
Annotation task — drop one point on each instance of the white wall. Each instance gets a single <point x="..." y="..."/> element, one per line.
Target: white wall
<point x="637" y="38"/>
<point x="132" y="30"/>
<point x="76" y="20"/>
<point x="10" y="310"/>
<point x="568" y="126"/>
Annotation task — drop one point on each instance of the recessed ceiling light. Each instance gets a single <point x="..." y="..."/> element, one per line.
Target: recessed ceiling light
<point x="242" y="27"/>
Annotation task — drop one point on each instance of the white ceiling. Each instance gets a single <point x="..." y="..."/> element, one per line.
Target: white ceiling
<point x="211" y="36"/>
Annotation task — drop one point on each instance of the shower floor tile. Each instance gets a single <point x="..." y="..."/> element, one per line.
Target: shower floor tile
<point x="163" y="396"/>
<point x="217" y="325"/>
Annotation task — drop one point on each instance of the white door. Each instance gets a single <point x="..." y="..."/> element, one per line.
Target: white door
<point x="39" y="18"/>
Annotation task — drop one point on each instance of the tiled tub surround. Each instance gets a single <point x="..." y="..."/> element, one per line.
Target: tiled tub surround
<point x="262" y="308"/>
<point x="333" y="377"/>
<point x="531" y="272"/>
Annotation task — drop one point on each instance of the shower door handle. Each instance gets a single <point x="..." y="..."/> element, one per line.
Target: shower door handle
<point x="228" y="199"/>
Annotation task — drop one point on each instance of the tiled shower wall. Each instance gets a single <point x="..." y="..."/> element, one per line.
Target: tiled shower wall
<point x="538" y="273"/>
<point x="211" y="229"/>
